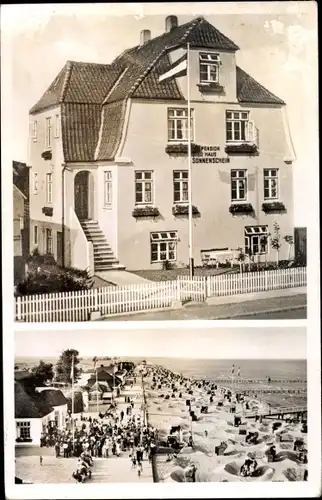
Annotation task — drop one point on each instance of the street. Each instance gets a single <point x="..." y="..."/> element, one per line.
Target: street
<point x="286" y="307"/>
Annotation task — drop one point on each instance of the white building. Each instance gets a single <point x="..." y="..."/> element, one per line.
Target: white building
<point x="34" y="410"/>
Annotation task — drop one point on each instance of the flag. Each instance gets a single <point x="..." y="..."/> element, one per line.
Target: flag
<point x="233" y="369"/>
<point x="178" y="68"/>
<point x="72" y="369"/>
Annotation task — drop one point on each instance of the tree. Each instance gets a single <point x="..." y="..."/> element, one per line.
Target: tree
<point x="43" y="372"/>
<point x="290" y="241"/>
<point x="64" y="366"/>
<point x="241" y="259"/>
<point x="276" y="240"/>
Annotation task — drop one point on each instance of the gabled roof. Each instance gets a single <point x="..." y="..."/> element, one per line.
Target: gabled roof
<point x="79" y="82"/>
<point x="249" y="90"/>
<point x="93" y="97"/>
<point x="30" y="404"/>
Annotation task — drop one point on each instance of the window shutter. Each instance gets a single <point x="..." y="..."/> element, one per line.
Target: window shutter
<point x="250" y="131"/>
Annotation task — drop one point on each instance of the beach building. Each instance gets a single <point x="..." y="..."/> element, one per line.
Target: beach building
<point x="109" y="156"/>
<point x="56" y="399"/>
<point x="32" y="415"/>
<point x="20" y="218"/>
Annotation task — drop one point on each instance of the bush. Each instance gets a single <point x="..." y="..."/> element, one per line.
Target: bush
<point x="53" y="279"/>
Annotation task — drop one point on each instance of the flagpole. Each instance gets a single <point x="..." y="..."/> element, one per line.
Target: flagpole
<point x="96" y="390"/>
<point x="73" y="408"/>
<point x="191" y="267"/>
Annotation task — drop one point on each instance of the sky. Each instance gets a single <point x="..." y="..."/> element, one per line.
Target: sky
<point x="186" y="342"/>
<point x="277" y="40"/>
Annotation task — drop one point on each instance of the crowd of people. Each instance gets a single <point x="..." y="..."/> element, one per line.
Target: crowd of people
<point x="111" y="433"/>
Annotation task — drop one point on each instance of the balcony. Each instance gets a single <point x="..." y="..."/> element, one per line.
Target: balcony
<point x="248" y="146"/>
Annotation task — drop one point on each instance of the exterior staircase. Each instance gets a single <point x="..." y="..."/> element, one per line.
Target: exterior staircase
<point x="104" y="258"/>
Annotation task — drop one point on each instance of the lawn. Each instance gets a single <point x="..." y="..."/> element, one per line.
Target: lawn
<point x="172" y="274"/>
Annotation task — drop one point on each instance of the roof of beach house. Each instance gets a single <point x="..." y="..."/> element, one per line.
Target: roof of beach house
<point x="30" y="404"/>
<point x="93" y="96"/>
<point x="53" y="397"/>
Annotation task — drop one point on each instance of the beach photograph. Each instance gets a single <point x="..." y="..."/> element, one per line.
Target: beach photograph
<point x="121" y="408"/>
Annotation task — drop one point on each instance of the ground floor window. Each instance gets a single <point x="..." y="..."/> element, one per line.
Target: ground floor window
<point x="49" y="241"/>
<point x="23" y="430"/>
<point x="164" y="246"/>
<point x="256" y="240"/>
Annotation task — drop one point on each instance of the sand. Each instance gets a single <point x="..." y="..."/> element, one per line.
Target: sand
<point x="215" y="427"/>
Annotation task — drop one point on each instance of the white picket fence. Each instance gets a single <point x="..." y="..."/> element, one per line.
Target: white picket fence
<point x="77" y="306"/>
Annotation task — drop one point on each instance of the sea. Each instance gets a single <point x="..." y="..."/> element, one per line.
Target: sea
<point x="214" y="369"/>
<point x="281" y="369"/>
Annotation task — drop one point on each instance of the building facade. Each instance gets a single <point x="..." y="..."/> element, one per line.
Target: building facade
<point x="109" y="176"/>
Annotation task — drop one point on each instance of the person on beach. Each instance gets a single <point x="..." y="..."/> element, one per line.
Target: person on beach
<point x="140" y="469"/>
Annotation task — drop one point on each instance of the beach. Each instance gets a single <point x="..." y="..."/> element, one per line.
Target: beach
<point x="171" y="397"/>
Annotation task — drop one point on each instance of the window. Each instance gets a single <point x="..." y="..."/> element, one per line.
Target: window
<point x="35" y="183"/>
<point x="49" y="188"/>
<point x="178" y="124"/>
<point x="164" y="246"/>
<point x="34" y="131"/>
<point x="237" y="125"/>
<point x="180" y="186"/>
<point x="48" y="133"/>
<point x="209" y="68"/>
<point x="23" y="429"/>
<point x="143" y="187"/>
<point x="49" y="241"/>
<point x="57" y="126"/>
<point x="270" y="183"/>
<point x="238" y="185"/>
<point x="107" y="188"/>
<point x="35" y="235"/>
<point x="256" y="240"/>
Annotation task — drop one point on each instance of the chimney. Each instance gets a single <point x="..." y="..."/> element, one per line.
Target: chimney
<point x="171" y="22"/>
<point x="145" y="37"/>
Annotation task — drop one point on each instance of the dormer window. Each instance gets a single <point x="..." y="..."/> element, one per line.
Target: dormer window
<point x="209" y="68"/>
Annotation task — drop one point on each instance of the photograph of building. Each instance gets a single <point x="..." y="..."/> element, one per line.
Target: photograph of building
<point x="162" y="173"/>
<point x="109" y="147"/>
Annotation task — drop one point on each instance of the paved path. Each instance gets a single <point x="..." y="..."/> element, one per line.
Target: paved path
<point x="268" y="306"/>
<point x="119" y="470"/>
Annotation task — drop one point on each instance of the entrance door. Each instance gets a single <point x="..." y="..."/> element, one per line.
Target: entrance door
<point x="59" y="248"/>
<point x="81" y="194"/>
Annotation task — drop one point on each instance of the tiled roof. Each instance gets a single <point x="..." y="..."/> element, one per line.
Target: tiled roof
<point x="249" y="90"/>
<point x="111" y="132"/>
<point x="79" y="82"/>
<point x="29" y="404"/>
<point x="54" y="92"/>
<point x="93" y="97"/>
<point x="80" y="130"/>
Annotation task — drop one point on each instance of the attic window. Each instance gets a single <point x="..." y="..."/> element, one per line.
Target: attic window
<point x="209" y="68"/>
